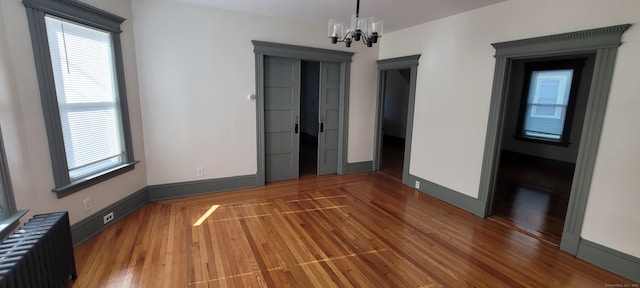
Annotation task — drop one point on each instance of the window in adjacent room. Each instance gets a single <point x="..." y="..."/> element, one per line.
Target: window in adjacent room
<point x="79" y="63"/>
<point x="548" y="100"/>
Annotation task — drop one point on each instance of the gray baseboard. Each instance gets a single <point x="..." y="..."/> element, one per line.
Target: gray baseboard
<point x="359" y="167"/>
<point x="615" y="261"/>
<point x="445" y="194"/>
<point x="194" y="188"/>
<point x="92" y="225"/>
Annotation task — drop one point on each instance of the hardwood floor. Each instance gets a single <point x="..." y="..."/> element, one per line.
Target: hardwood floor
<point x="361" y="230"/>
<point x="532" y="197"/>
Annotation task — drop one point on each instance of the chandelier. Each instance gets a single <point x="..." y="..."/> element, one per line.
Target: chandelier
<point x="369" y="30"/>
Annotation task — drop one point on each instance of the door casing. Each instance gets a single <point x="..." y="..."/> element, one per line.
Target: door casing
<point x="263" y="49"/>
<point x="408" y="62"/>
<point x="604" y="43"/>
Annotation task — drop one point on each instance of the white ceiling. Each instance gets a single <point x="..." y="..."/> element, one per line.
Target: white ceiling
<point x="397" y="14"/>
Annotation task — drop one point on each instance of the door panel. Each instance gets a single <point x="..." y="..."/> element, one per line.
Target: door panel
<point x="329" y="118"/>
<point x="281" y="102"/>
<point x="279" y="96"/>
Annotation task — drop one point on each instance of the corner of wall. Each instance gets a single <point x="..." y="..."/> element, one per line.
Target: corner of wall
<point x="455" y="198"/>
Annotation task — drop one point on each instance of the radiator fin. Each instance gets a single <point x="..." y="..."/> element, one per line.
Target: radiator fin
<point x="40" y="254"/>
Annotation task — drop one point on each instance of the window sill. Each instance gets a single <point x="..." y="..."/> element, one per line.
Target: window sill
<point x="8" y="225"/>
<point x="93" y="179"/>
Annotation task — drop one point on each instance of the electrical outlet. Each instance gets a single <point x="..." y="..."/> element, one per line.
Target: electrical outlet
<point x="200" y="171"/>
<point x="417" y="184"/>
<point x="86" y="203"/>
<point x="107" y="218"/>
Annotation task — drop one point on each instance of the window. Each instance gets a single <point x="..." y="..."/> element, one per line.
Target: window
<point x="8" y="215"/>
<point x="547" y="104"/>
<point x="7" y="204"/>
<point x="548" y="101"/>
<point x="79" y="63"/>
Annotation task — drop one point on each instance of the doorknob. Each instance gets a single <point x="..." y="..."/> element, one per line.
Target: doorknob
<point x="296" y="126"/>
<point x="321" y="123"/>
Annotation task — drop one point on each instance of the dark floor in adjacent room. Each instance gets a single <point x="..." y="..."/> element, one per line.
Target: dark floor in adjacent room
<point x="308" y="155"/>
<point x="392" y="157"/>
<point x="532" y="196"/>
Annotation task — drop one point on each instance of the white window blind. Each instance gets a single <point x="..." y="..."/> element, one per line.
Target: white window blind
<point x="547" y="104"/>
<point x="86" y="88"/>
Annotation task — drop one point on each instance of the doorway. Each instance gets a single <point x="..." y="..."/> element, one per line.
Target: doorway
<point x="301" y="117"/>
<point x="394" y="116"/>
<point x="394" y="127"/>
<point x="603" y="43"/>
<point x="544" y="116"/>
<point x="279" y="110"/>
<point x="309" y="124"/>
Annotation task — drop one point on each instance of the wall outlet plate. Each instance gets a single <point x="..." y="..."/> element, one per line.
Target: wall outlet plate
<point x="417" y="184"/>
<point x="108" y="218"/>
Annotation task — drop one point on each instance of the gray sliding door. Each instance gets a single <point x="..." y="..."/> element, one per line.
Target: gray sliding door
<point x="281" y="116"/>
<point x="329" y="118"/>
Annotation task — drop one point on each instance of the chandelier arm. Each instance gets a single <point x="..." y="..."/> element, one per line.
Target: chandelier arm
<point x="350" y="34"/>
<point x="344" y="38"/>
<point x="365" y="40"/>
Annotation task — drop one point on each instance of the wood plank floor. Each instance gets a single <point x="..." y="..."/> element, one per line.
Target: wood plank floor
<point x="533" y="199"/>
<point x="362" y="230"/>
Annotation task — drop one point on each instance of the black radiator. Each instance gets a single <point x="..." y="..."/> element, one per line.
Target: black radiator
<point x="40" y="254"/>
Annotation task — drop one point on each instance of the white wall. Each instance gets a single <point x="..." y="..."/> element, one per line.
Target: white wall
<point x="196" y="67"/>
<point x="453" y="95"/>
<point x="23" y="124"/>
<point x="362" y="104"/>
